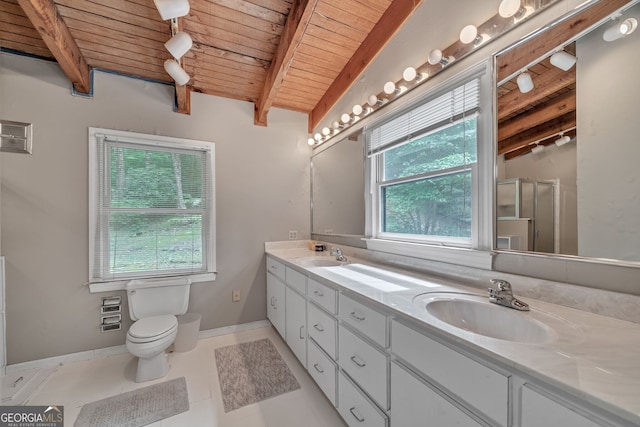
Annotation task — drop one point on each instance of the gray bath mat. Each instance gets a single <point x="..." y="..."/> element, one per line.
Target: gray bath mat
<point x="137" y="408"/>
<point x="251" y="372"/>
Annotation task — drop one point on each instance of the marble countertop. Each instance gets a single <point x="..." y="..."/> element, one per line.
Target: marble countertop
<point x="592" y="357"/>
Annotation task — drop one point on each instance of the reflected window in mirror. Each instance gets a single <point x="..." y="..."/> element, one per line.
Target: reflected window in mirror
<point x="573" y="137"/>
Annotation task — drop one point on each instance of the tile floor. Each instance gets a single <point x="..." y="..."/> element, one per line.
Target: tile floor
<point x="77" y="383"/>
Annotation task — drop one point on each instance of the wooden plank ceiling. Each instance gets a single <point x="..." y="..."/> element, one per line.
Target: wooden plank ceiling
<point x="282" y="53"/>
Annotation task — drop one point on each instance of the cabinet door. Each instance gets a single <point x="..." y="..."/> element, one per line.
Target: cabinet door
<point x="296" y="315"/>
<point x="539" y="410"/>
<point x="275" y="303"/>
<point x="415" y="404"/>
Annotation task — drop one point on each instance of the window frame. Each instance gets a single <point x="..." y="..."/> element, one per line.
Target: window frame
<point x="477" y="250"/>
<point x="95" y="177"/>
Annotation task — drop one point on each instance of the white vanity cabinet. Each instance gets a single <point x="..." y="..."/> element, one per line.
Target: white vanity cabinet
<point x="296" y="320"/>
<point x="476" y="387"/>
<point x="414" y="403"/>
<point x="355" y="408"/>
<point x="276" y="303"/>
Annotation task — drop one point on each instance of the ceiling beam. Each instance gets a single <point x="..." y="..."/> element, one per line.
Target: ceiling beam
<point x="537" y="133"/>
<point x="297" y="22"/>
<point x="56" y="35"/>
<point x="392" y="19"/>
<point x="538" y="115"/>
<point x="183" y="93"/>
<point x="546" y="84"/>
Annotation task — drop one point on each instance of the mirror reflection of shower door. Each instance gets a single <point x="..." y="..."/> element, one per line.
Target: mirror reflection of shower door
<point x="544" y="240"/>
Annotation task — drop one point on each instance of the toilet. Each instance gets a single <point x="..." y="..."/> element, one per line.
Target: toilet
<point x="153" y="306"/>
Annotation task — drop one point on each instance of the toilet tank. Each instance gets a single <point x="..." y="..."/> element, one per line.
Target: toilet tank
<point x="155" y="297"/>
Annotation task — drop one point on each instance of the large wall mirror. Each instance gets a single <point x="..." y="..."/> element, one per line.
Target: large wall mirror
<point x="337" y="189"/>
<point x="569" y="137"/>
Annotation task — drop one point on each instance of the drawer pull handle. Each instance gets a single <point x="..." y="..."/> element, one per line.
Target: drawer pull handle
<point x="356" y="415"/>
<point x="318" y="368"/>
<point x="318" y="293"/>
<point x="273" y="304"/>
<point x="18" y="381"/>
<point x="301" y="335"/>
<point x="318" y="327"/>
<point x="357" y="316"/>
<point x="359" y="362"/>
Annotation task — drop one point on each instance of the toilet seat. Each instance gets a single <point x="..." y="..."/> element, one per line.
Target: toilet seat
<point x="153" y="328"/>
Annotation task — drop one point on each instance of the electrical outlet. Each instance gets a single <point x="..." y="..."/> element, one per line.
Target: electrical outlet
<point x="235" y="295"/>
<point x="293" y="235"/>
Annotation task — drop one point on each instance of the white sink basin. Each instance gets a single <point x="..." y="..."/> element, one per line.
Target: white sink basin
<point x="319" y="262"/>
<point x="475" y="314"/>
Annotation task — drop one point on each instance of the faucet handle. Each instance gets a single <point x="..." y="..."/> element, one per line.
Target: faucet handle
<point x="502" y="285"/>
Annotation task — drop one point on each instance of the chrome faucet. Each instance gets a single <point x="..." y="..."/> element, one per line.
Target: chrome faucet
<point x="503" y="295"/>
<point x="337" y="252"/>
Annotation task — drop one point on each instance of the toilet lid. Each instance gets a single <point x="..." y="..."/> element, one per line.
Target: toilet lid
<point x="150" y="327"/>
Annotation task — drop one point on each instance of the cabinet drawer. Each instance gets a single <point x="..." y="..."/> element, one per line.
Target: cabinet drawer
<point x="366" y="320"/>
<point x="473" y="382"/>
<point x="296" y="280"/>
<point x="323" y="295"/>
<point x="355" y="409"/>
<point x="413" y="402"/>
<point x="539" y="410"/>
<point x="366" y="365"/>
<point x="323" y="370"/>
<point x="322" y="328"/>
<point x="276" y="268"/>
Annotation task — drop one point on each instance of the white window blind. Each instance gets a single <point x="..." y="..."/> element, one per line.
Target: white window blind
<point x="417" y="120"/>
<point x="154" y="207"/>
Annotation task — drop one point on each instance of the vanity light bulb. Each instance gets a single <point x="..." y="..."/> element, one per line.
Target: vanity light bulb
<point x="311" y="141"/>
<point x="326" y="131"/>
<point x="317" y="137"/>
<point x="335" y="125"/>
<point x="434" y="56"/>
<point x="409" y="74"/>
<point x="372" y="100"/>
<point x="468" y="34"/>
<point x="389" y="88"/>
<point x="357" y="109"/>
<point x="345" y="118"/>
<point x="509" y="8"/>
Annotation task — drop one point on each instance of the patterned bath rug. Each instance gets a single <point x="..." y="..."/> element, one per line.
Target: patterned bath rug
<point x="138" y="407"/>
<point x="251" y="372"/>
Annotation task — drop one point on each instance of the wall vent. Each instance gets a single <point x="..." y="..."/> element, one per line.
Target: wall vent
<point x="15" y="137"/>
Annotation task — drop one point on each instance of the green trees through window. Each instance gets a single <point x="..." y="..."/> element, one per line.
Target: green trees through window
<point x="426" y="188"/>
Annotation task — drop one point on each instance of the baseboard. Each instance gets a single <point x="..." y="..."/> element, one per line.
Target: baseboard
<point x="120" y="349"/>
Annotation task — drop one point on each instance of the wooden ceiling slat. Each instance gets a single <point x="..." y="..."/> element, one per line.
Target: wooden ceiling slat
<point x="334" y="54"/>
<point x="108" y="36"/>
<point x="333" y="26"/>
<point x="310" y="76"/>
<point x="300" y="83"/>
<point x="292" y="106"/>
<point x="354" y="14"/>
<point x="112" y="24"/>
<point x="231" y="46"/>
<point x="204" y="23"/>
<point x="105" y="10"/>
<point x="8" y="27"/>
<point x="138" y="54"/>
<point x="221" y="91"/>
<point x="239" y="88"/>
<point x="280" y="6"/>
<point x="389" y="23"/>
<point x="124" y="66"/>
<point x="331" y="37"/>
<point x="29" y="48"/>
<point x="558" y="106"/>
<point x="253" y="10"/>
<point x="202" y="51"/>
<point x="537" y="133"/>
<point x="226" y="72"/>
<point x="238" y="18"/>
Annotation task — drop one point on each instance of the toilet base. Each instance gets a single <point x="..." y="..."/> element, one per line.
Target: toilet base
<point x="152" y="368"/>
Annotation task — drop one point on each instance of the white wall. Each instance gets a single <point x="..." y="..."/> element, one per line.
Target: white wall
<point x="609" y="148"/>
<point x="262" y="178"/>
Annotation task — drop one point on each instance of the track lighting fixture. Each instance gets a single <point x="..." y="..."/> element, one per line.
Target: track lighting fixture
<point x="179" y="44"/>
<point x="177" y="73"/>
<point x="563" y="60"/>
<point x="537" y="149"/>
<point x="621" y="28"/>
<point x="170" y="9"/>
<point x="525" y="82"/>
